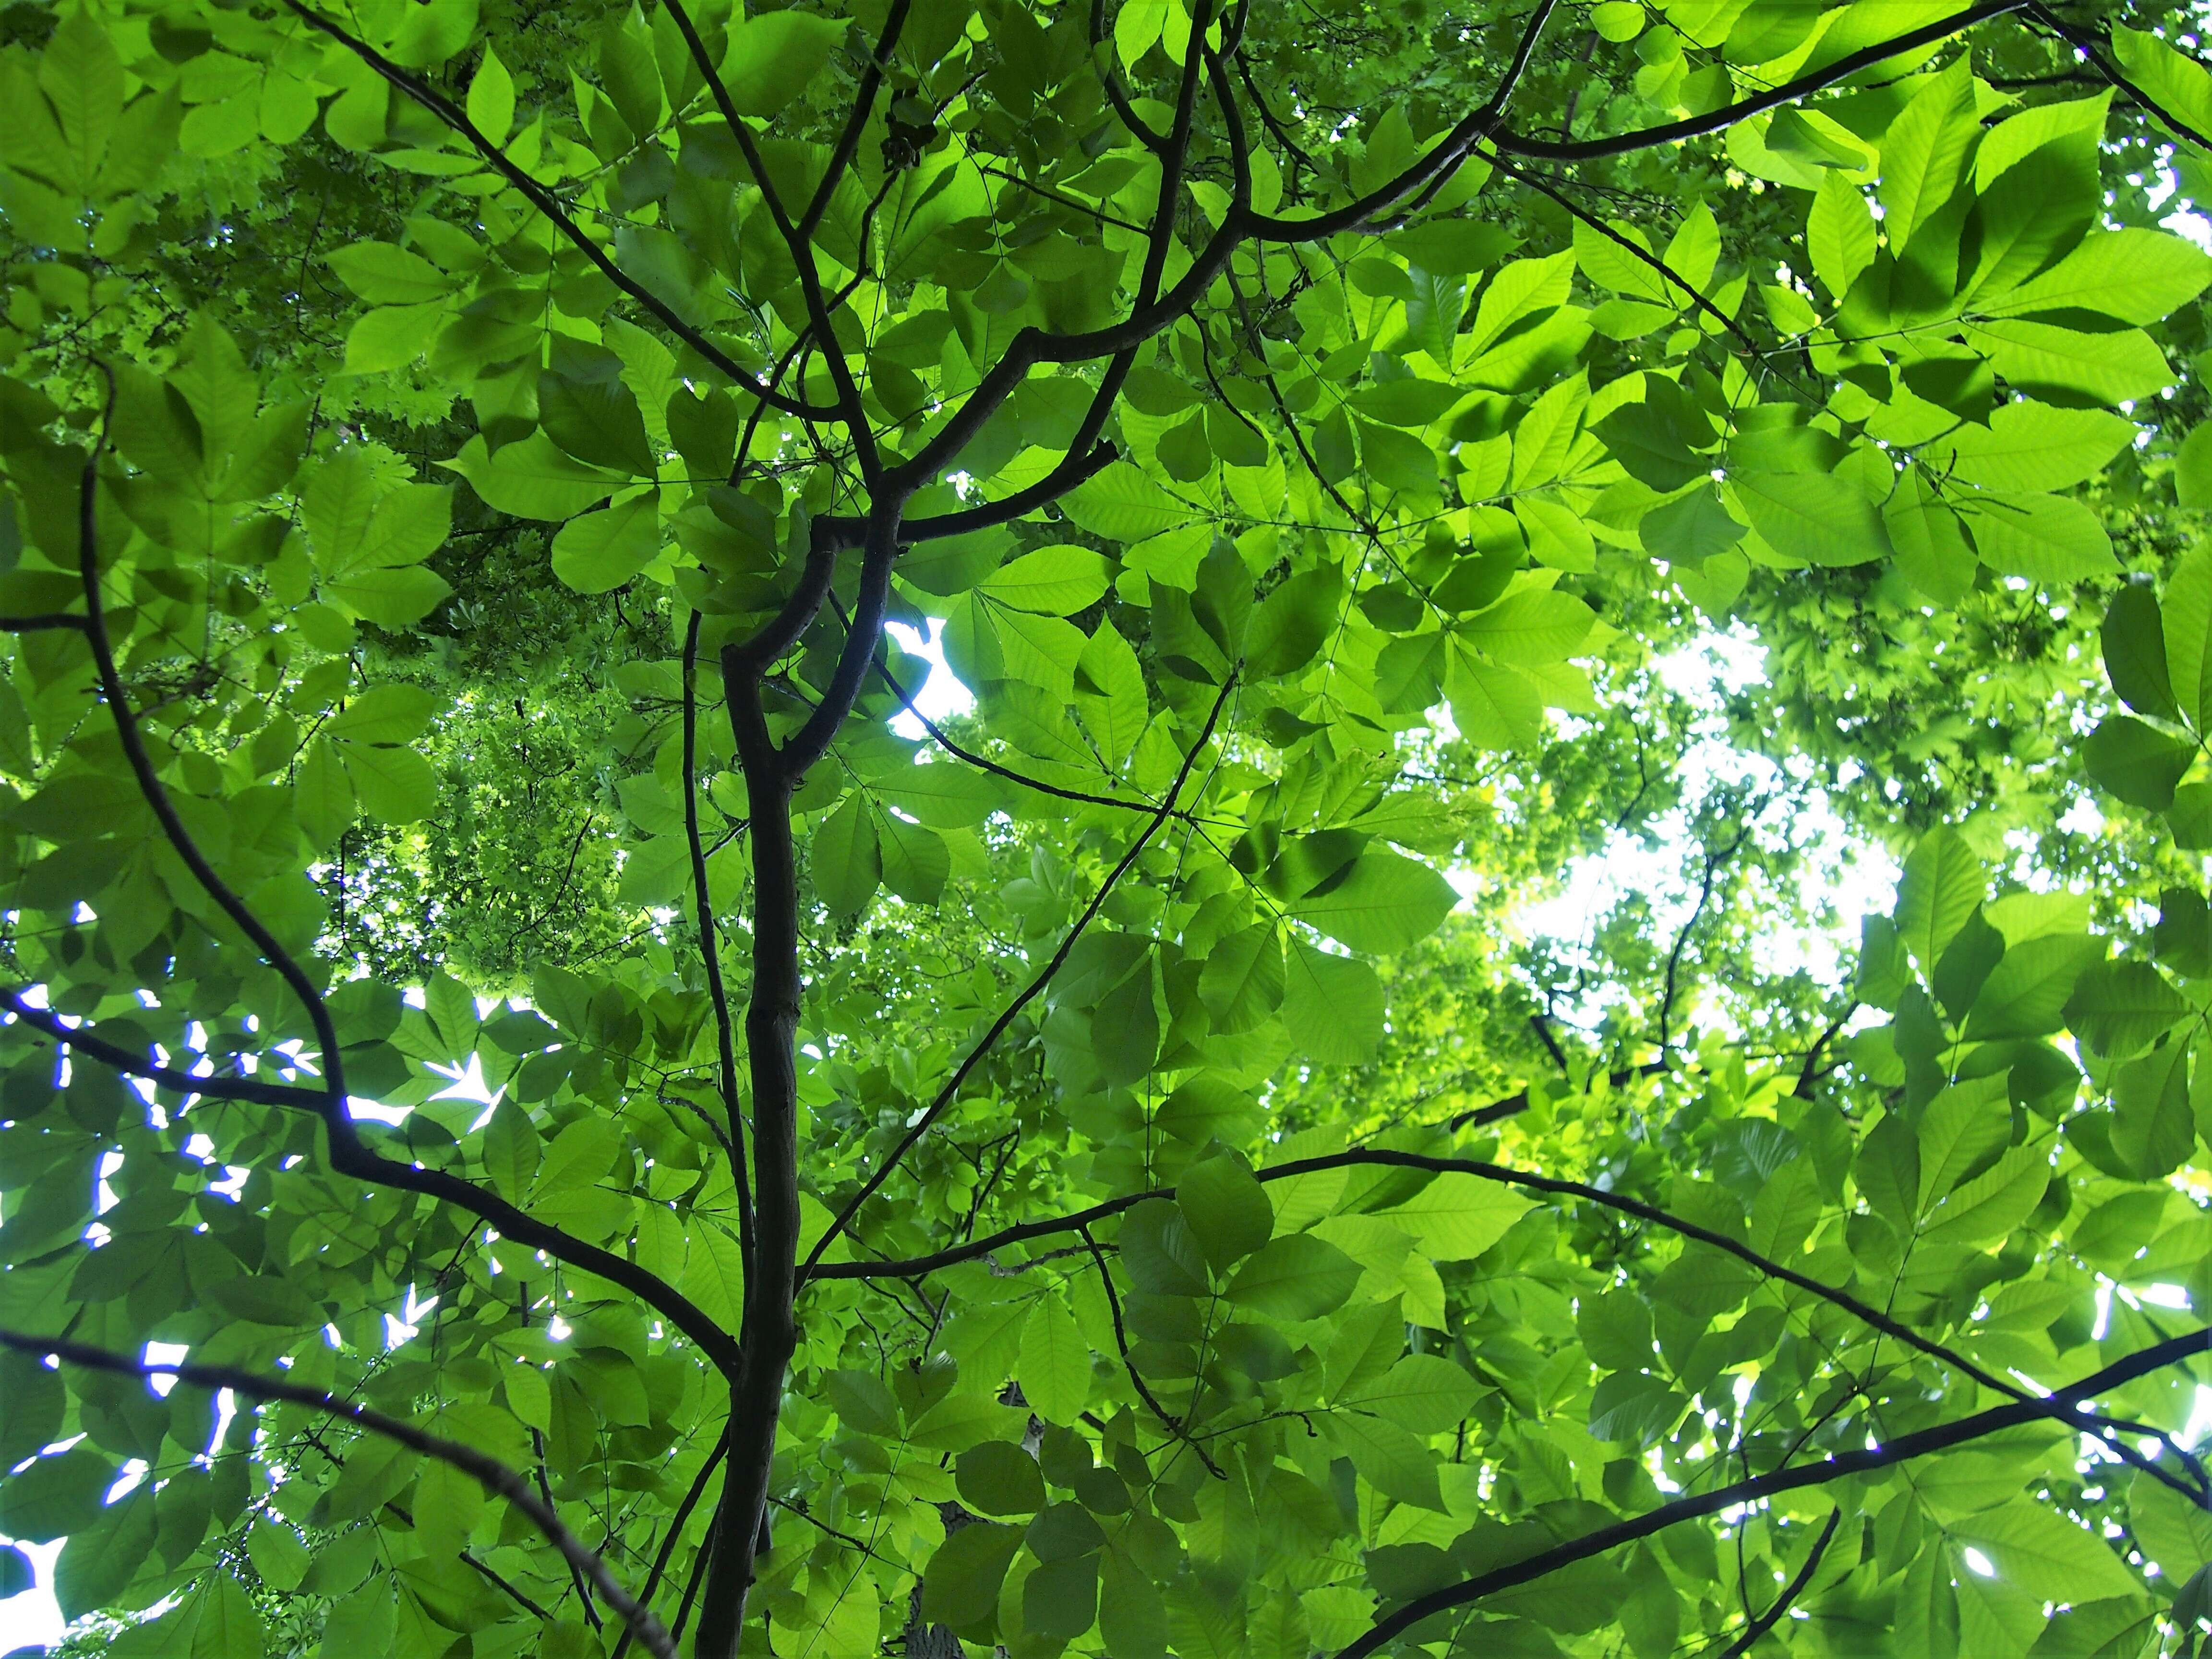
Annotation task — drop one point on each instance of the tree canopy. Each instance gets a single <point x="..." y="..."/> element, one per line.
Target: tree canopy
<point x="557" y="1098"/>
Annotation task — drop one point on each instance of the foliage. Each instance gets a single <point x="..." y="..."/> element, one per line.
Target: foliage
<point x="599" y="1098"/>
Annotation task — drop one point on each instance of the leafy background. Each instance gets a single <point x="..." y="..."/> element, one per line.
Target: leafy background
<point x="1396" y="870"/>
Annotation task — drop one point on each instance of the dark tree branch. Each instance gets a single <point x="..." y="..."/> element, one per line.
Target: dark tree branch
<point x="1552" y="1186"/>
<point x="1834" y="1467"/>
<point x="710" y="951"/>
<point x="1635" y="250"/>
<point x="864" y="105"/>
<point x="1811" y="1073"/>
<point x="251" y="1090"/>
<point x="1767" y="1621"/>
<point x="349" y="1156"/>
<point x="1698" y="126"/>
<point x="1175" y="1429"/>
<point x="849" y="406"/>
<point x="1714" y="863"/>
<point x="1029" y="994"/>
<point x="675" y="1533"/>
<point x="544" y="201"/>
<point x="1146" y="134"/>
<point x="495" y="1477"/>
<point x="2093" y="51"/>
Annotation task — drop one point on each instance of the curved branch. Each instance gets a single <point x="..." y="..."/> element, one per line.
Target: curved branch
<point x="1634" y="250"/>
<point x="1552" y="1186"/>
<point x="845" y="533"/>
<point x="148" y="779"/>
<point x="1029" y="993"/>
<point x="1432" y="168"/>
<point x="495" y="1477"/>
<point x="349" y="1156"/>
<point x="1176" y="1430"/>
<point x="1942" y="1438"/>
<point x="1796" y="1588"/>
<point x="864" y="105"/>
<point x="2088" y="44"/>
<point x="676" y="1530"/>
<point x="251" y="1090"/>
<point x="1482" y="124"/>
<point x="1116" y="94"/>
<point x="849" y="407"/>
<point x="1698" y="126"/>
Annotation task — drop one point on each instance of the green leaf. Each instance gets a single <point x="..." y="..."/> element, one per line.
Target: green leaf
<point x="1530" y="629"/>
<point x="99" y="1560"/>
<point x="532" y="479"/>
<point x="2134" y="641"/>
<point x="491" y="98"/>
<point x="714" y="1275"/>
<point x="1839" y="234"/>
<point x="602" y="550"/>
<point x="55" y="1496"/>
<point x="2137" y="762"/>
<point x="2135" y="275"/>
<point x="997" y="1478"/>
<point x="1384" y="902"/>
<point x="1457" y="1216"/>
<point x="1943" y="885"/>
<point x="961" y="1585"/>
<point x="394" y="786"/>
<point x="230" y="1626"/>
<point x="1121" y="504"/>
<point x="83" y="77"/>
<point x="944" y="795"/>
<point x="2117" y="1008"/>
<point x="1226" y="1210"/>
<point x="1242" y="981"/>
<point x="1422" y="1393"/>
<point x="2192" y="470"/>
<point x="1629" y="1408"/>
<point x="2120" y="1627"/>
<point x="1654" y="438"/>
<point x="2030" y="446"/>
<point x="389" y="598"/>
<point x="1818" y="517"/>
<point x="1924" y="151"/>
<point x="2172" y="1532"/>
<point x="2025" y="994"/>
<point x="915" y="862"/>
<point x="1110" y="694"/>
<point x="387" y="274"/>
<point x="1387" y="1458"/>
<point x="773" y="59"/>
<point x="2056" y="1560"/>
<point x="1055" y="582"/>
<point x="2045" y="359"/>
<point x="277" y="1552"/>
<point x="323" y="793"/>
<point x="1332" y="1005"/>
<point x="2045" y="538"/>
<point x="1054" y="1368"/>
<point x="384" y="713"/>
<point x="2186" y="608"/>
<point x="1299" y="1277"/>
